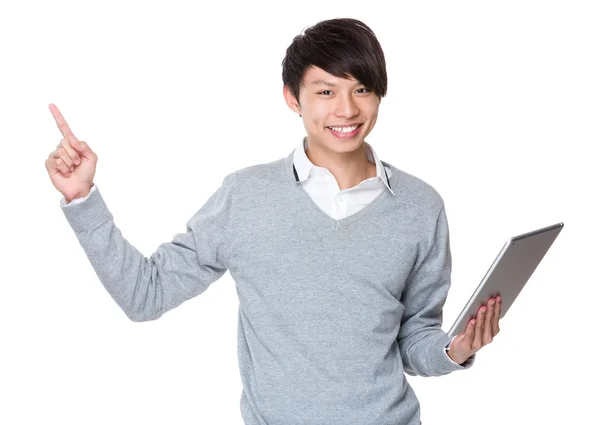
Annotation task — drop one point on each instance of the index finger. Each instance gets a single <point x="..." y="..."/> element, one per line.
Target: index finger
<point x="61" y="123"/>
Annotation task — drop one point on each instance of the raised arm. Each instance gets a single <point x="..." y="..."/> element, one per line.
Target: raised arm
<point x="145" y="288"/>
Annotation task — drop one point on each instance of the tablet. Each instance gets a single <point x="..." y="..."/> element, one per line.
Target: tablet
<point x="509" y="272"/>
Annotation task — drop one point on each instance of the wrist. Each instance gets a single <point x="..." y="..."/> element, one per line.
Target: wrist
<point x="454" y="358"/>
<point x="78" y="195"/>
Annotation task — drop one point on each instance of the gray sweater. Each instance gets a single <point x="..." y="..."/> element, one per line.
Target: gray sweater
<point x="331" y="312"/>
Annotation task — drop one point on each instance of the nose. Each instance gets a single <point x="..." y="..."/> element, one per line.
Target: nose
<point x="346" y="107"/>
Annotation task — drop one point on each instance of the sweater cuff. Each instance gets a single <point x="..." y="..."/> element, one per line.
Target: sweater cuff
<point x="87" y="215"/>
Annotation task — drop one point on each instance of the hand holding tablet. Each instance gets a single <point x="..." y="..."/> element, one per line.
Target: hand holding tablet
<point x="480" y="331"/>
<point x="503" y="282"/>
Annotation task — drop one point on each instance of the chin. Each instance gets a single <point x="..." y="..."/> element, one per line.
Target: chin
<point x="345" y="146"/>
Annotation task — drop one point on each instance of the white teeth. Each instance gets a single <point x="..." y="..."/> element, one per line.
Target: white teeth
<point x="344" y="129"/>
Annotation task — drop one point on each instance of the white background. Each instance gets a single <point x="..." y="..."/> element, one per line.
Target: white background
<point x="495" y="104"/>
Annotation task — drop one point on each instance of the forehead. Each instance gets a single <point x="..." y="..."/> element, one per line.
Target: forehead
<point x="315" y="76"/>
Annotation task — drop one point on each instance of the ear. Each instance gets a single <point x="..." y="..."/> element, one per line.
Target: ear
<point x="290" y="100"/>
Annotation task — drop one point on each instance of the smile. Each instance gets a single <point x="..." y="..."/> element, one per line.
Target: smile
<point x="344" y="132"/>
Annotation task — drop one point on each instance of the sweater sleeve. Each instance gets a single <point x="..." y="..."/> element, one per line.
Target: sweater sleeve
<point x="421" y="339"/>
<point x="146" y="288"/>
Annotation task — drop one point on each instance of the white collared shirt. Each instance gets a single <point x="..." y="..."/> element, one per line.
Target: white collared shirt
<point x="323" y="188"/>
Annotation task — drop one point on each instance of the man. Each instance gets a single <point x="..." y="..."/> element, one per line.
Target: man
<point x="341" y="261"/>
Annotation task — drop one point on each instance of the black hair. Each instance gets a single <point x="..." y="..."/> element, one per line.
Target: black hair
<point x="343" y="47"/>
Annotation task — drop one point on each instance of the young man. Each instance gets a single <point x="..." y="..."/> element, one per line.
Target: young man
<point x="341" y="261"/>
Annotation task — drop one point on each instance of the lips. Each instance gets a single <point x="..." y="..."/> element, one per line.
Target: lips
<point x="342" y="135"/>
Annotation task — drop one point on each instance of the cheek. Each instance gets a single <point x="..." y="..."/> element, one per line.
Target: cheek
<point x="319" y="114"/>
<point x="374" y="119"/>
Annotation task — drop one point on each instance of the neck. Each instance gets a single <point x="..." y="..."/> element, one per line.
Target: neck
<point x="348" y="168"/>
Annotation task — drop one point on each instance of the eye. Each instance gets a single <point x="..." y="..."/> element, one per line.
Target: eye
<point x="365" y="90"/>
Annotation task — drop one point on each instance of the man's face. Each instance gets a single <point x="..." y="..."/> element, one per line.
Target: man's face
<point x="327" y="101"/>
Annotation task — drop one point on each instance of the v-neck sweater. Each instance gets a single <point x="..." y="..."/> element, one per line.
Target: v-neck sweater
<point x="332" y="313"/>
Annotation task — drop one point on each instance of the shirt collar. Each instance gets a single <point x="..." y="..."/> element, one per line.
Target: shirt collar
<point x="303" y="165"/>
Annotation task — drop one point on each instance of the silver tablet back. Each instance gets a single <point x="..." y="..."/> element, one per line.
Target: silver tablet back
<point x="509" y="272"/>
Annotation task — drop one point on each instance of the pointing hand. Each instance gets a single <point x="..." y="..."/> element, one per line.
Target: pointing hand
<point x="72" y="165"/>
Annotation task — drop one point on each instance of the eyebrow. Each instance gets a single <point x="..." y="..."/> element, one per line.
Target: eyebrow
<point x="327" y="83"/>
